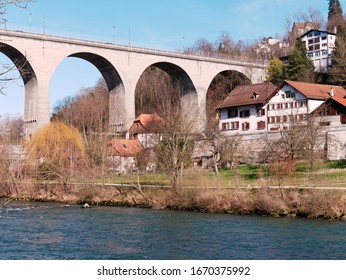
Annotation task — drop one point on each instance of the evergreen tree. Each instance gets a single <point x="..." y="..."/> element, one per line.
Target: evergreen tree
<point x="299" y="67"/>
<point x="338" y="69"/>
<point x="335" y="16"/>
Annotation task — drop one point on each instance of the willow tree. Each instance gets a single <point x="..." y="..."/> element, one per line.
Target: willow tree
<point x="57" y="149"/>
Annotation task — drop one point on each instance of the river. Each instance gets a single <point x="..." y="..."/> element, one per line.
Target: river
<point x="44" y="231"/>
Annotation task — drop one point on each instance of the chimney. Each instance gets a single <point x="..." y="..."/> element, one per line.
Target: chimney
<point x="331" y="93"/>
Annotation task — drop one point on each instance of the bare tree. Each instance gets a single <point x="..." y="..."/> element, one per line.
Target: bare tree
<point x="7" y="69"/>
<point x="173" y="150"/>
<point x="89" y="113"/>
<point x="299" y="139"/>
<point x="312" y="15"/>
<point x="314" y="140"/>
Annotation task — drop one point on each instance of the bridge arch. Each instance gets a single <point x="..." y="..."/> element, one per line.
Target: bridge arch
<point x="179" y="76"/>
<point x="29" y="78"/>
<point x="108" y="71"/>
<point x="20" y="61"/>
<point x="180" y="86"/>
<point x="219" y="88"/>
<point x="115" y="85"/>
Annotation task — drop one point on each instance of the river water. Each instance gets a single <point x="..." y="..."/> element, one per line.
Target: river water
<point x="42" y="231"/>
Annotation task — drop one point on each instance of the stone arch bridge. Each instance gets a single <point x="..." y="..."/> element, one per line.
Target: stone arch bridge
<point x="37" y="56"/>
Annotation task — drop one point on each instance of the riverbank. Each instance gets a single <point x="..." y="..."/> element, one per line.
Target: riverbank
<point x="311" y="203"/>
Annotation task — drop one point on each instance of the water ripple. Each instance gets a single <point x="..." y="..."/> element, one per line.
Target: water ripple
<point x="49" y="231"/>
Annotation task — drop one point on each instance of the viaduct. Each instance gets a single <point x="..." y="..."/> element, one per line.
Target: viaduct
<point x="36" y="56"/>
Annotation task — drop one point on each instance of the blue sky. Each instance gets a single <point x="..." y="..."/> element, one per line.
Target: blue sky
<point x="158" y="24"/>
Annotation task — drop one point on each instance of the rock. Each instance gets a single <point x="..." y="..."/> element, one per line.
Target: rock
<point x="86" y="205"/>
<point x="343" y="218"/>
<point x="274" y="214"/>
<point x="291" y="215"/>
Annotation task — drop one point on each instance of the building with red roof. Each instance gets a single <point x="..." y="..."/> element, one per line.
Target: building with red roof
<point x="244" y="110"/>
<point x="263" y="107"/>
<point x="121" y="154"/>
<point x="332" y="112"/>
<point x="146" y="128"/>
<point x="298" y="100"/>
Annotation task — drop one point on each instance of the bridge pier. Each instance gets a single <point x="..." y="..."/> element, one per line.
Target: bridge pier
<point x="37" y="104"/>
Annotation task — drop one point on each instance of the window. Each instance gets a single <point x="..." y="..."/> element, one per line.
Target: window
<point x="234" y="125"/>
<point x="261" y="112"/>
<point x="271" y="119"/>
<point x="245" y="126"/>
<point x="261" y="125"/>
<point x="230" y="126"/>
<point x="316" y="47"/>
<point x="324" y="38"/>
<point x="255" y="95"/>
<point x="324" y="52"/>
<point x="318" y="53"/>
<point x="310" y="54"/>
<point x="317" y="40"/>
<point x="224" y="126"/>
<point x="302" y="103"/>
<point x="311" y="41"/>
<point x="245" y="113"/>
<point x="324" y="45"/>
<point x="232" y="113"/>
<point x="290" y="94"/>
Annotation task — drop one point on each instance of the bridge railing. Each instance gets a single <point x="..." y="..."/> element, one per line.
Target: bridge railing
<point x="243" y="59"/>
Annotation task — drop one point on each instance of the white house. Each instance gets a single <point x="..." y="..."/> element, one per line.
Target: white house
<point x="297" y="100"/>
<point x="319" y="45"/>
<point x="244" y="109"/>
<point x="263" y="107"/>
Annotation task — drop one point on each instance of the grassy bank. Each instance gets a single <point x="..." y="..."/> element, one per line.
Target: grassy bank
<point x="321" y="204"/>
<point x="326" y="174"/>
<point x="203" y="191"/>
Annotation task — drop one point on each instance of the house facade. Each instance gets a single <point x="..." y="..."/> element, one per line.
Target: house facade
<point x="297" y="100"/>
<point x="332" y="112"/>
<point x="244" y="110"/>
<point x="319" y="45"/>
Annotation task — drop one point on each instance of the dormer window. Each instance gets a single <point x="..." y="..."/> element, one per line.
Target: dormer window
<point x="255" y="95"/>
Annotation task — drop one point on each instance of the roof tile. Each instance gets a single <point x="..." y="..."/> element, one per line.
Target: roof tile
<point x="317" y="91"/>
<point x="249" y="95"/>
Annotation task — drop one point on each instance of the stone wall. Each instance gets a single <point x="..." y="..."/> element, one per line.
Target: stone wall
<point x="253" y="146"/>
<point x="336" y="144"/>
